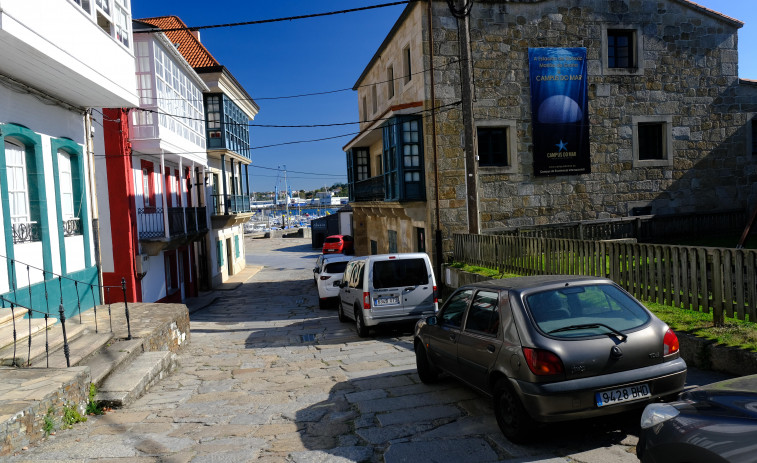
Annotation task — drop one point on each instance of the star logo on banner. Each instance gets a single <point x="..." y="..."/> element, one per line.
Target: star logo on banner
<point x="561" y="146"/>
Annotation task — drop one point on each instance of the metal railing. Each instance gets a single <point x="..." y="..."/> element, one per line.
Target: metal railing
<point x="25" y="232"/>
<point x="237" y="204"/>
<point x="175" y="221"/>
<point x="191" y="213"/>
<point x="151" y="224"/>
<point x="16" y="299"/>
<point x="72" y="227"/>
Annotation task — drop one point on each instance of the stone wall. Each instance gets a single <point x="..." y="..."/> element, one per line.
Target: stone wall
<point x="688" y="71"/>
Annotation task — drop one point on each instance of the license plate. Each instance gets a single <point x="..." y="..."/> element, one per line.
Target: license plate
<point x="379" y="301"/>
<point x="622" y="394"/>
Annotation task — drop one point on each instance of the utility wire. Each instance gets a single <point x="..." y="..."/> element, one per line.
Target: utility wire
<point x="264" y="21"/>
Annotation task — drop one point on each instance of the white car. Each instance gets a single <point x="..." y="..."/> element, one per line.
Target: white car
<point x="328" y="270"/>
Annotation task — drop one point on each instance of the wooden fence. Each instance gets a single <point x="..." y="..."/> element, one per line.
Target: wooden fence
<point x="718" y="280"/>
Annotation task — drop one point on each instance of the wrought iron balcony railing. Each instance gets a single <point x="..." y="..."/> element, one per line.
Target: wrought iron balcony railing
<point x="72" y="227"/>
<point x="150" y="222"/>
<point x="26" y="232"/>
<point x="175" y="221"/>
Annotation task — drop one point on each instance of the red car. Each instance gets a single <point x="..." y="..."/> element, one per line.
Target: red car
<point x="338" y="244"/>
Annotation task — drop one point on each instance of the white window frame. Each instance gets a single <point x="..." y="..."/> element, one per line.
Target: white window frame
<point x="66" y="185"/>
<point x="667" y="146"/>
<point x="17" y="173"/>
<point x="512" y="146"/>
<point x="639" y="51"/>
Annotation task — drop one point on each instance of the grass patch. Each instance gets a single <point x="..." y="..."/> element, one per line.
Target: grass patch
<point x="488" y="272"/>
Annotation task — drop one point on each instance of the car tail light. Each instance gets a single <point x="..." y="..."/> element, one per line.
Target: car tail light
<point x="669" y="343"/>
<point x="542" y="362"/>
<point x="366" y="301"/>
<point x="436" y="296"/>
<point x="324" y="278"/>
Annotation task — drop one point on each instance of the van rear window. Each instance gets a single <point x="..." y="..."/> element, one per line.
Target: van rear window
<point x="401" y="272"/>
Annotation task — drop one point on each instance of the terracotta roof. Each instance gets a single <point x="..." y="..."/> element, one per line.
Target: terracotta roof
<point x="190" y="48"/>
<point x="714" y="13"/>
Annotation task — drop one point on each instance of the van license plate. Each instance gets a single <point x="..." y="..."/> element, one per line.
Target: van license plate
<point x="622" y="394"/>
<point x="379" y="301"/>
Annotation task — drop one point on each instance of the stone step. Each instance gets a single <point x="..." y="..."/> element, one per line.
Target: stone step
<point x="123" y="387"/>
<point x="7" y="315"/>
<point x="54" y="341"/>
<point x="22" y="329"/>
<point x="80" y="349"/>
<point x="112" y="359"/>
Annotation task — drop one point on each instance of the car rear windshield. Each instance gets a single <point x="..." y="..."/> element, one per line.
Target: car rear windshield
<point x="333" y="240"/>
<point x="581" y="311"/>
<point x="399" y="272"/>
<point x="336" y="267"/>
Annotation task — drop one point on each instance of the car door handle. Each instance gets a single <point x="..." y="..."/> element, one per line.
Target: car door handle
<point x="452" y="337"/>
<point x="490" y="348"/>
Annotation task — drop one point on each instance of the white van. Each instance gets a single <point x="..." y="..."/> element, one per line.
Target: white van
<point x="387" y="288"/>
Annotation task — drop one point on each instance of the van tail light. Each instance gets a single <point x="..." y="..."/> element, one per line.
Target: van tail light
<point x="669" y="343"/>
<point x="436" y="296"/>
<point x="543" y="362"/>
<point x="366" y="301"/>
<point x="326" y="277"/>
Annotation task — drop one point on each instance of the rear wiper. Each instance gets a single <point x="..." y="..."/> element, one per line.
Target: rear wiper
<point x="587" y="326"/>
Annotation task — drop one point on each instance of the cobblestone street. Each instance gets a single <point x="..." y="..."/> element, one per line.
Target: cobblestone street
<point x="269" y="377"/>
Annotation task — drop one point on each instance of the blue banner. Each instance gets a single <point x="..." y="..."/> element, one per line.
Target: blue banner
<point x="559" y="111"/>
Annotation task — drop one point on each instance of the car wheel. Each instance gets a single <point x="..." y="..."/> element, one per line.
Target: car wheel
<point x="340" y="313"/>
<point x="512" y="418"/>
<point x="362" y="330"/>
<point x="427" y="372"/>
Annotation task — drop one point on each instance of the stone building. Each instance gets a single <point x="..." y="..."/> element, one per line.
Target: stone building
<point x="668" y="123"/>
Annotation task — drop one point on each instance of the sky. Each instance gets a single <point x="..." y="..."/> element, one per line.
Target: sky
<point x="319" y="55"/>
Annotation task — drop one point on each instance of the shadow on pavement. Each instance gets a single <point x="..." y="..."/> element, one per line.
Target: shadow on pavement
<point x="392" y="417"/>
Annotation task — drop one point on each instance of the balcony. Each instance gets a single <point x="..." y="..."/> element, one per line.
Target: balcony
<point x="238" y="210"/>
<point x="25" y="232"/>
<point x="185" y="224"/>
<point x="88" y="68"/>
<point x="371" y="189"/>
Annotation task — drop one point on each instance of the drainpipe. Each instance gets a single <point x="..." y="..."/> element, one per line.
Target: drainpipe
<point x="89" y="133"/>
<point x="223" y="179"/>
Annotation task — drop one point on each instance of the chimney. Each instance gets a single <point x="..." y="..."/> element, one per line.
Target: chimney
<point x="196" y="34"/>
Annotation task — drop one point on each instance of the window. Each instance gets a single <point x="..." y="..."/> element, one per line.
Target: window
<point x="362" y="164"/>
<point x="620" y="48"/>
<point x="66" y="185"/>
<point x="84" y="4"/>
<point x="365" y="109"/>
<point x="121" y="20"/>
<point x="394" y="273"/>
<point x="483" y="316"/>
<point x="492" y="146"/>
<point x="236" y="246"/>
<point x="390" y="82"/>
<point x="213" y="110"/>
<point x="374" y="247"/>
<point x="452" y="313"/>
<point x="219" y="252"/>
<point x="652" y="141"/>
<point x="374" y="98"/>
<point x="148" y="185"/>
<point x="403" y="162"/>
<point x="392" y="238"/>
<point x="420" y="239"/>
<point x="15" y="160"/>
<point x="408" y="68"/>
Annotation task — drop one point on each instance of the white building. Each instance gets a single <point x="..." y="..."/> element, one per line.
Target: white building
<point x="50" y="76"/>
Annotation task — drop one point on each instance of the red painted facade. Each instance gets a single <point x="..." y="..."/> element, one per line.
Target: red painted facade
<point x="123" y="214"/>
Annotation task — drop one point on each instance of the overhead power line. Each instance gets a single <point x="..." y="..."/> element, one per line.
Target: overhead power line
<point x="264" y="21"/>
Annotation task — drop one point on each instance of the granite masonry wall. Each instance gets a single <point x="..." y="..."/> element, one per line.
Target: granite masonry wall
<point x="687" y="73"/>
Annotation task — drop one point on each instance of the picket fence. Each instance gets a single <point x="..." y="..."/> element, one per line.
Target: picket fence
<point x="721" y="281"/>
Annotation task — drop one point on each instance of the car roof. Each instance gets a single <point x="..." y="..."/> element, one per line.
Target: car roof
<point x="536" y="281"/>
<point x="335" y="257"/>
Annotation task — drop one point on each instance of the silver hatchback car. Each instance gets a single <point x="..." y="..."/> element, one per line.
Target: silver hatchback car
<point x="551" y="348"/>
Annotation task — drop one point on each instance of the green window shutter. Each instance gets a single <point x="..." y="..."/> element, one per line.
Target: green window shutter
<point x="236" y="246"/>
<point x="219" y="246"/>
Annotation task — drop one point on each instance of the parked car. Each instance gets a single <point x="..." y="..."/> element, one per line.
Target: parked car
<point x="387" y="288"/>
<point x="716" y="423"/>
<point x="338" y="244"/>
<point x="551" y="348"/>
<point x="328" y="271"/>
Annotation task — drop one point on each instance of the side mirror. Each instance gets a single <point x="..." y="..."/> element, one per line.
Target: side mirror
<point x="316" y="270"/>
<point x="337" y="284"/>
<point x="431" y="321"/>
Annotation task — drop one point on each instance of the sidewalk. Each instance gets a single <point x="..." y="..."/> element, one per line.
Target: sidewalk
<point x="31" y="396"/>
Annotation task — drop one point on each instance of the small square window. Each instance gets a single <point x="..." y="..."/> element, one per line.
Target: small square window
<point x="492" y="146"/>
<point x="621" y="51"/>
<point x="652" y="141"/>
